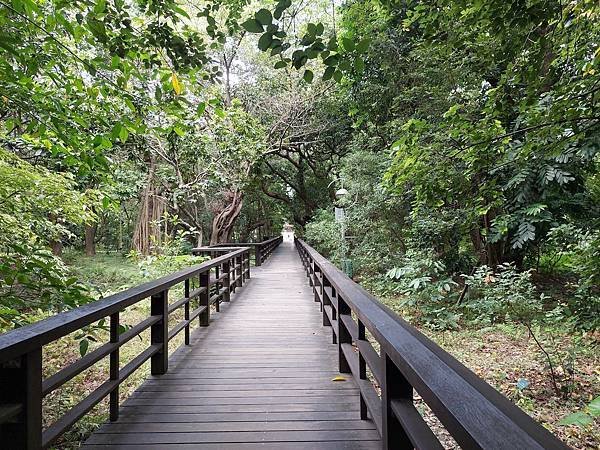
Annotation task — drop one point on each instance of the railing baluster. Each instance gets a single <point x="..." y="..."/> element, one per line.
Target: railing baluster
<point x="318" y="288"/>
<point x="216" y="285"/>
<point x="159" y="332"/>
<point x="248" y="264"/>
<point x="23" y="376"/>
<point x="393" y="386"/>
<point x="227" y="282"/>
<point x="362" y="369"/>
<point x="186" y="310"/>
<point x="326" y="302"/>
<point x="258" y="255"/>
<point x="204" y="298"/>
<point x="238" y="271"/>
<point x="344" y="336"/>
<point x="114" y="368"/>
<point x="334" y="313"/>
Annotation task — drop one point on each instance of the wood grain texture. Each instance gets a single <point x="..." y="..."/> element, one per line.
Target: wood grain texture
<point x="259" y="376"/>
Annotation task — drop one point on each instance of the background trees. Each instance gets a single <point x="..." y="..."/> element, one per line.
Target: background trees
<point x="467" y="136"/>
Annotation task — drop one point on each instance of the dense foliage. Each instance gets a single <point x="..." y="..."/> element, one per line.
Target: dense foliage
<point x="466" y="136"/>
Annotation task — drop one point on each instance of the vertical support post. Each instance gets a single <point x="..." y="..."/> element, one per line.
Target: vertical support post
<point x="217" y="290"/>
<point x="248" y="264"/>
<point x="334" y="314"/>
<point x="23" y="376"/>
<point x="362" y="369"/>
<point x="393" y="386"/>
<point x="227" y="282"/>
<point x="159" y="333"/>
<point x="311" y="271"/>
<point x="114" y="368"/>
<point x="232" y="272"/>
<point x="186" y="310"/>
<point x="204" y="298"/>
<point x="238" y="271"/>
<point x="326" y="302"/>
<point x="344" y="336"/>
<point x="258" y="255"/>
<point x="317" y="286"/>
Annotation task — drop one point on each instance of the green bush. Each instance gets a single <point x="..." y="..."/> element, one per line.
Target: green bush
<point x="501" y="295"/>
<point x="423" y="282"/>
<point x="324" y="233"/>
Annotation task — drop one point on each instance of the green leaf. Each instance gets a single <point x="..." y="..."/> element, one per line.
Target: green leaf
<point x="280" y="64"/>
<point x="594" y="407"/>
<point x="363" y="45"/>
<point x="265" y="41"/>
<point x="201" y="108"/>
<point x="263" y="16"/>
<point x="328" y="73"/>
<point x="332" y="60"/>
<point x="348" y="44"/>
<point x="84" y="344"/>
<point x="123" y="134"/>
<point x="308" y="76"/>
<point x="337" y="76"/>
<point x="219" y="112"/>
<point x="578" y="418"/>
<point x="253" y="26"/>
<point x="359" y="65"/>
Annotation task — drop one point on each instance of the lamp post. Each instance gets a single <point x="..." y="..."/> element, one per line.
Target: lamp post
<point x="340" y="216"/>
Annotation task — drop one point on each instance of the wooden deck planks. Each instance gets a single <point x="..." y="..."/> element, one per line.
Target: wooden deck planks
<point x="260" y="376"/>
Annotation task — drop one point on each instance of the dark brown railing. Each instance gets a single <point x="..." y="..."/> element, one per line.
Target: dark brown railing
<point x="22" y="387"/>
<point x="262" y="250"/>
<point x="475" y="414"/>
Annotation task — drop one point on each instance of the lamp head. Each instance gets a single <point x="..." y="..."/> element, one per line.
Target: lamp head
<point x="341" y="193"/>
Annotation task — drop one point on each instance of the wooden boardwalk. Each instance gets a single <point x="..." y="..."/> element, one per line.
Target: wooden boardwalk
<point x="260" y="376"/>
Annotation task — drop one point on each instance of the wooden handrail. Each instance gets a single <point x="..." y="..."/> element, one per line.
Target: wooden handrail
<point x="22" y="385"/>
<point x="262" y="250"/>
<point x="472" y="411"/>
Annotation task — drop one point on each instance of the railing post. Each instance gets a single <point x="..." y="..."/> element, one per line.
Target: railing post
<point x="258" y="255"/>
<point x="247" y="257"/>
<point x="326" y="302"/>
<point x="238" y="271"/>
<point x="204" y="298"/>
<point x="114" y="368"/>
<point x="159" y="332"/>
<point x="186" y="310"/>
<point x="227" y="282"/>
<point x="217" y="288"/>
<point x="318" y="286"/>
<point x="334" y="314"/>
<point x="362" y="368"/>
<point x="22" y="385"/>
<point x="393" y="386"/>
<point x="344" y="336"/>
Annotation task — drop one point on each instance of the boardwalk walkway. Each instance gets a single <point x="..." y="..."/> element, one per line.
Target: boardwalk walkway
<point x="260" y="376"/>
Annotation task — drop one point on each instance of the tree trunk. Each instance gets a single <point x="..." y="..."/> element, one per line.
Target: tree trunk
<point x="57" y="247"/>
<point x="224" y="220"/>
<point x="147" y="234"/>
<point x="90" y="239"/>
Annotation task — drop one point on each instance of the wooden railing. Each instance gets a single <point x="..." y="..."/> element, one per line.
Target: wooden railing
<point x="261" y="250"/>
<point x="475" y="414"/>
<point x="22" y="387"/>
